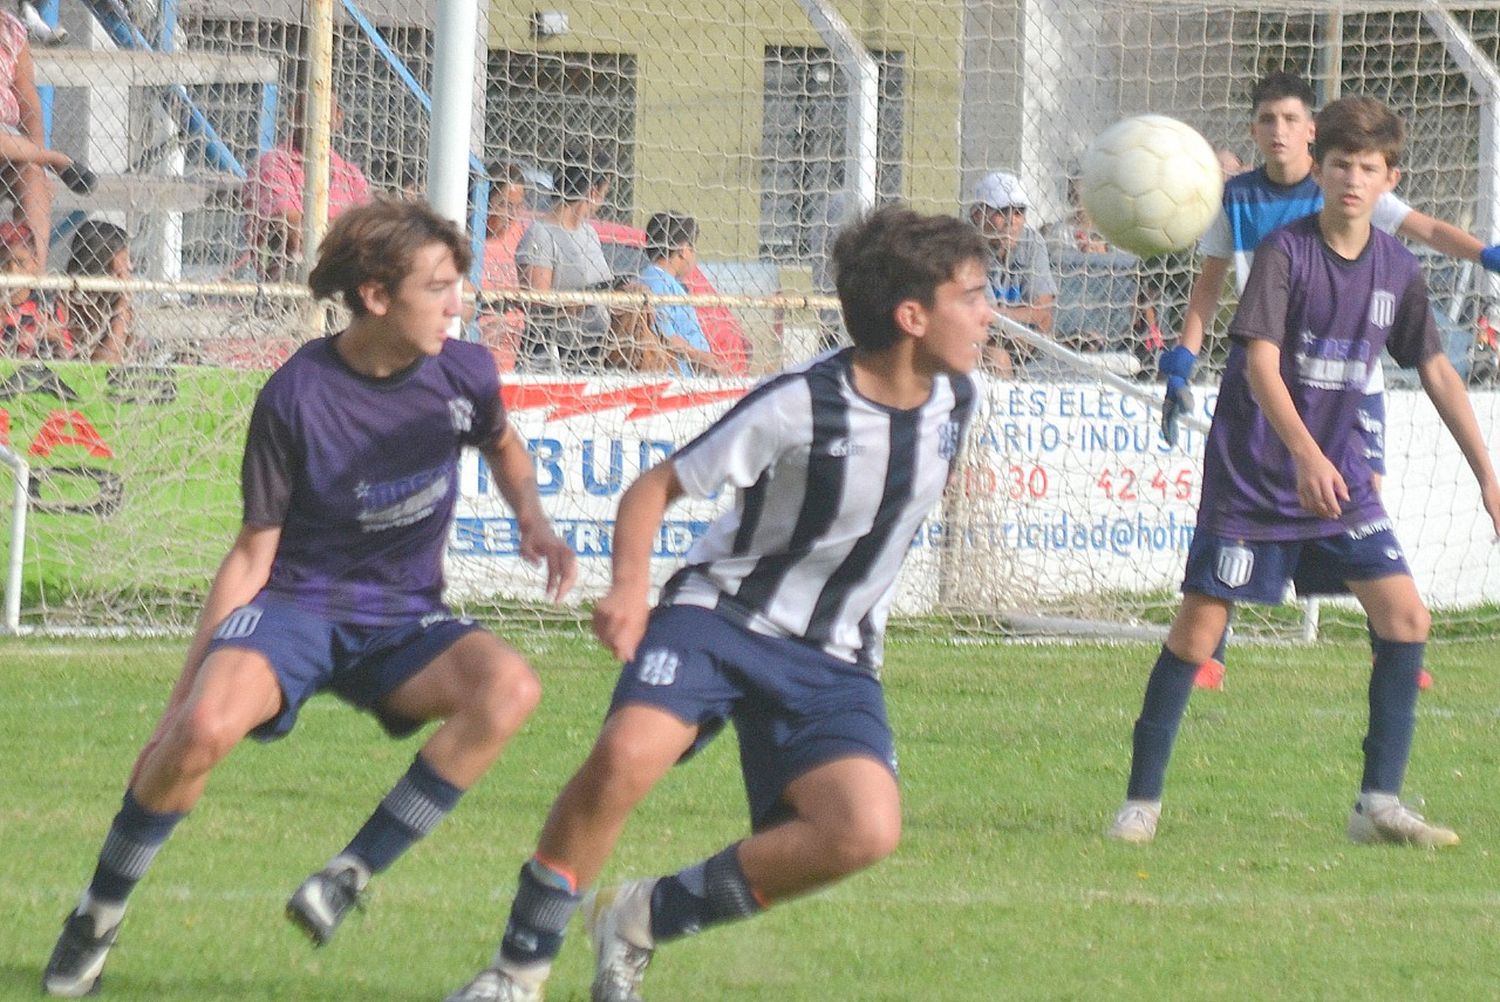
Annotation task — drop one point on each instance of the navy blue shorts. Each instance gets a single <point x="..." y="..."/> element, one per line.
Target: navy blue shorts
<point x="1370" y="424"/>
<point x="1238" y="570"/>
<point x="361" y="664"/>
<point x="793" y="706"/>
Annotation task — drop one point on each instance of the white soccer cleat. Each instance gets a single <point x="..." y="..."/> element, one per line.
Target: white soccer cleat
<point x="1136" y="821"/>
<point x="619" y="964"/>
<point x="495" y="985"/>
<point x="1382" y="817"/>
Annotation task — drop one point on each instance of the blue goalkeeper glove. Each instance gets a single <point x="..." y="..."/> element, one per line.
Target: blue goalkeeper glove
<point x="1177" y="365"/>
<point x="1490" y="258"/>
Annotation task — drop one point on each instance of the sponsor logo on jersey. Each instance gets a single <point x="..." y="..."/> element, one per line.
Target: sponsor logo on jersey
<point x="239" y="624"/>
<point x="461" y="413"/>
<point x="948" y="439"/>
<point x="1234" y="565"/>
<point x="1382" y="309"/>
<point x="841" y="448"/>
<point x="658" y="666"/>
<point x="402" y="502"/>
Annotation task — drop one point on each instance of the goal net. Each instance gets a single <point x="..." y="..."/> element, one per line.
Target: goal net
<point x="769" y="124"/>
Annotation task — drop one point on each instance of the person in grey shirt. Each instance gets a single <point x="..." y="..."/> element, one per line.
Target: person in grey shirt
<point x="561" y="251"/>
<point x="1019" y="269"/>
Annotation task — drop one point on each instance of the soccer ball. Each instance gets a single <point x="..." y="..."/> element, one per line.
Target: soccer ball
<point x="1151" y="184"/>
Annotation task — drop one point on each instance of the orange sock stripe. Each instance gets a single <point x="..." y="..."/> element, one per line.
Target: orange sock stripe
<point x="557" y="868"/>
<point x="760" y="898"/>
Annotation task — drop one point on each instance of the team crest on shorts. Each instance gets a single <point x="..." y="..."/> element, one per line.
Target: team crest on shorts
<point x="948" y="438"/>
<point x="1382" y="309"/>
<point x="658" y="667"/>
<point x="1234" y="566"/>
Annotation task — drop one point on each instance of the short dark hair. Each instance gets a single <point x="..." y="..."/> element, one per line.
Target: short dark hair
<point x="891" y="255"/>
<point x="1357" y="125"/>
<point x="574" y="182"/>
<point x="376" y="242"/>
<point x="503" y="172"/>
<point x="667" y="231"/>
<point x="95" y="244"/>
<point x="1281" y="84"/>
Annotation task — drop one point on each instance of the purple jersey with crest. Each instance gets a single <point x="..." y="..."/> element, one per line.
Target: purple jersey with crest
<point x="1331" y="318"/>
<point x="361" y="475"/>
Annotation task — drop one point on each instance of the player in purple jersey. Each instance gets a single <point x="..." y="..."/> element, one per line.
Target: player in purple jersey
<point x="1282" y="189"/>
<point x="776" y="621"/>
<point x="1288" y="493"/>
<point x="335" y="580"/>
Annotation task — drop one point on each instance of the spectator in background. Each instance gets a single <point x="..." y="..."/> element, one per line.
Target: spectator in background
<point x="272" y="194"/>
<point x="31" y="322"/>
<point x="671" y="247"/>
<point x="1019" y="270"/>
<point x="24" y="156"/>
<point x="561" y="251"/>
<point x="100" y="321"/>
<point x="501" y="324"/>
<point x="1229" y="162"/>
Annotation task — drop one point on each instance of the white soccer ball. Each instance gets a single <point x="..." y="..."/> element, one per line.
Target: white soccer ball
<point x="1151" y="184"/>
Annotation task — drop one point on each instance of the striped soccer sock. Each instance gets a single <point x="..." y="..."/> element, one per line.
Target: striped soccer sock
<point x="706" y="893"/>
<point x="413" y="808"/>
<point x="135" y="837"/>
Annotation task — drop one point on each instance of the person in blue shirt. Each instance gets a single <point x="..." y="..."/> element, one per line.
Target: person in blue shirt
<point x="671" y="246"/>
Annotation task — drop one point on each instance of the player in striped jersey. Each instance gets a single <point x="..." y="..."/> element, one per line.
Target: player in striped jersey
<point x="1282" y="190"/>
<point x="776" y="621"/>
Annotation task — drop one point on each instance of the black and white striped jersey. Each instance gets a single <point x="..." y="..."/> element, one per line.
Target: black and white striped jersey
<point x="831" y="490"/>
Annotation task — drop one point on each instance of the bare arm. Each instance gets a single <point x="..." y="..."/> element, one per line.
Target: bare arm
<point x="511" y="463"/>
<point x="620" y="616"/>
<point x="1320" y="487"/>
<point x="1445" y="238"/>
<point x="1203" y="303"/>
<point x="1037" y="315"/>
<point x="27" y="97"/>
<point x="1445" y="388"/>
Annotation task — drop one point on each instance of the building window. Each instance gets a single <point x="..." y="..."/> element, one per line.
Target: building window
<point x="545" y="109"/>
<point x="803" y="144"/>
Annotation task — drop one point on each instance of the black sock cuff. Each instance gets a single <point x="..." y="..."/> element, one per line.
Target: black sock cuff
<point x="728" y="892"/>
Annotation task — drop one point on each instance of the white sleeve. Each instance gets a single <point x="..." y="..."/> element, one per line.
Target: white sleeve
<point x="1217" y="241"/>
<point x="743" y="444"/>
<point x="1390" y="212"/>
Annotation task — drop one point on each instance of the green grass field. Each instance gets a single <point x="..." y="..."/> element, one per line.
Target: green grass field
<point x="1013" y="759"/>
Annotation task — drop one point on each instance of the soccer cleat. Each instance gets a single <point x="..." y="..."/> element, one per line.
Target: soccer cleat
<point x="1380" y="817"/>
<point x="494" y="985"/>
<point x="321" y="903"/>
<point x="1136" y="821"/>
<point x="1210" y="675"/>
<point x="77" y="960"/>
<point x="619" y="965"/>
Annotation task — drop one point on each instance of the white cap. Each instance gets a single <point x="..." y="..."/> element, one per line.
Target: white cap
<point x="1000" y="190"/>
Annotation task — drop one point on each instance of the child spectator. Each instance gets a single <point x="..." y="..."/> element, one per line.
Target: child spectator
<point x="671" y="241"/>
<point x="100" y="321"/>
<point x="32" y="324"/>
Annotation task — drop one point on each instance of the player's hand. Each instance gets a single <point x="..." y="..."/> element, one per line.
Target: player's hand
<point x="620" y="621"/>
<point x="1320" y="488"/>
<point x="1177" y="365"/>
<point x="1490" y="257"/>
<point x="1489" y="494"/>
<point x="542" y="545"/>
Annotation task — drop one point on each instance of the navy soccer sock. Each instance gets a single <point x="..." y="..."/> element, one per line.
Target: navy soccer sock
<point x="134" y="839"/>
<point x="413" y="808"/>
<point x="706" y="893"/>
<point x="1393" y="713"/>
<point x="545" y="900"/>
<point x="1156" y="729"/>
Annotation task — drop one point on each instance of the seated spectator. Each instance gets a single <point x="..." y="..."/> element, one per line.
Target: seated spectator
<point x="32" y="323"/>
<point x="671" y="241"/>
<point x="272" y="195"/>
<point x="561" y="251"/>
<point x="100" y="321"/>
<point x="506" y="222"/>
<point x="24" y="156"/>
<point x="1019" y="270"/>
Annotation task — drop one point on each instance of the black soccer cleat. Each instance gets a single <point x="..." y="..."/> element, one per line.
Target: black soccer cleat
<point x="323" y="900"/>
<point x="77" y="960"/>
